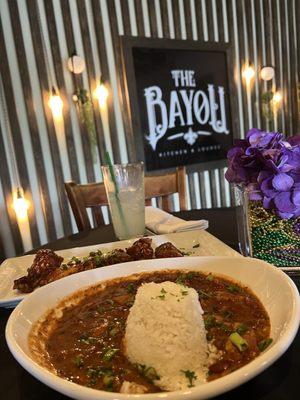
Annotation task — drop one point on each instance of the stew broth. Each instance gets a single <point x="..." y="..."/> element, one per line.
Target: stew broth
<point x="85" y="345"/>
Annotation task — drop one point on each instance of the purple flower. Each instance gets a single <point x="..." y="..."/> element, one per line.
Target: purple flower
<point x="269" y="166"/>
<point x="291" y="158"/>
<point x="296" y="197"/>
<point x="294" y="140"/>
<point x="280" y="192"/>
<point x="282" y="182"/>
<point x="283" y="202"/>
<point x="248" y="157"/>
<point x="261" y="139"/>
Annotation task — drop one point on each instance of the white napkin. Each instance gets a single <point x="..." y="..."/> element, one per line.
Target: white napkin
<point x="160" y="222"/>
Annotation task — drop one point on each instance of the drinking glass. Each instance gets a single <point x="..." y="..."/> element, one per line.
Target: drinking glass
<point x="124" y="185"/>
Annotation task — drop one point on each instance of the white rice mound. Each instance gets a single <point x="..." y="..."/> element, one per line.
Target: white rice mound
<point x="165" y="330"/>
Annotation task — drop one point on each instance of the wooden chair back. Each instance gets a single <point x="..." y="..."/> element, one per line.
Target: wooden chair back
<point x="82" y="197"/>
<point x="162" y="187"/>
<point x="93" y="196"/>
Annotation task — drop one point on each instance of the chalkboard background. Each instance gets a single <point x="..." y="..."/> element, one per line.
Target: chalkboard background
<point x="188" y="141"/>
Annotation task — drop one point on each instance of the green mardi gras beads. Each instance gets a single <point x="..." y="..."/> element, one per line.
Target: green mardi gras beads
<point x="274" y="239"/>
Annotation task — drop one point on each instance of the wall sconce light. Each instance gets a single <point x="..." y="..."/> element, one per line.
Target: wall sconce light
<point x="101" y="93"/>
<point x="76" y="64"/>
<point x="20" y="204"/>
<point x="267" y="73"/>
<point x="248" y="73"/>
<point x="56" y="104"/>
<point x="277" y="98"/>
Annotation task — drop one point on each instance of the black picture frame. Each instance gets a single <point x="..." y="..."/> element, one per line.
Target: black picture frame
<point x="130" y="97"/>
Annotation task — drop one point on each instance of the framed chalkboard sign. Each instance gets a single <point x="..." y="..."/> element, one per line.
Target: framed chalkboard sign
<point x="179" y="95"/>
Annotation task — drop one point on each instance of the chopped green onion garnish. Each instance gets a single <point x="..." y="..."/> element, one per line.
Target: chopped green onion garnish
<point x="109" y="354"/>
<point x="97" y="260"/>
<point x="148" y="372"/>
<point x="225" y="328"/>
<point x="108" y="380"/>
<point x="203" y="294"/>
<point x="234" y="289"/>
<point x="191" y="376"/>
<point x="94" y="372"/>
<point x="151" y="374"/>
<point x="210" y="277"/>
<point x="190" y="275"/>
<point x="241" y="329"/>
<point x="130" y="303"/>
<point x="130" y="288"/>
<point x="209" y="321"/>
<point x="180" y="280"/>
<point x="78" y="361"/>
<point x="113" y="331"/>
<point x="227" y="315"/>
<point x="186" y="253"/>
<point x="264" y="344"/>
<point x="238" y="341"/>
<point x="87" y="339"/>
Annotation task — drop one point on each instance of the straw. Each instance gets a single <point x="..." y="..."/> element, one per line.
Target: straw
<point x="113" y="178"/>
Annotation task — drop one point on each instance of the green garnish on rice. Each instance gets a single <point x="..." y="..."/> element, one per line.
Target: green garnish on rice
<point x="191" y="377"/>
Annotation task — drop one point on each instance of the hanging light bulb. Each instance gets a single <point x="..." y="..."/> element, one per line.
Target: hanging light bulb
<point x="56" y="104"/>
<point x="20" y="204"/>
<point x="101" y="94"/>
<point x="248" y="73"/>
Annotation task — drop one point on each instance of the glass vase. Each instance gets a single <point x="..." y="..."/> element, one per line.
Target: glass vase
<point x="263" y="234"/>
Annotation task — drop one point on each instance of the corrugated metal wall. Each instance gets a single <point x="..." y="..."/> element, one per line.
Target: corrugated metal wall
<point x="263" y="32"/>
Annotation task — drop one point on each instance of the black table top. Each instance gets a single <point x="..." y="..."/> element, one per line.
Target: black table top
<point x="279" y="382"/>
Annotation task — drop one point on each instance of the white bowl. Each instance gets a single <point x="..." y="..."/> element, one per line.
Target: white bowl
<point x="275" y="289"/>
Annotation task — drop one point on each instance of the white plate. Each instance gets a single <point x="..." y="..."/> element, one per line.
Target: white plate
<point x="273" y="287"/>
<point x="14" y="268"/>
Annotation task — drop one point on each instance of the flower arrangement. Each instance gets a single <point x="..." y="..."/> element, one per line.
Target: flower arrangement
<point x="266" y="166"/>
<point x="269" y="166"/>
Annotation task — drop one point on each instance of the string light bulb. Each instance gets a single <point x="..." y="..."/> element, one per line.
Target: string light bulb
<point x="76" y="64"/>
<point x="248" y="73"/>
<point x="56" y="104"/>
<point x="267" y="73"/>
<point x="20" y="204"/>
<point x="101" y="94"/>
<point x="277" y="97"/>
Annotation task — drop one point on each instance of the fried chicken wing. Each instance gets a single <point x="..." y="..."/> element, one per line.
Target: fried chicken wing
<point x="116" y="257"/>
<point x="141" y="249"/>
<point x="44" y="263"/>
<point x="167" y="250"/>
<point x="23" y="284"/>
